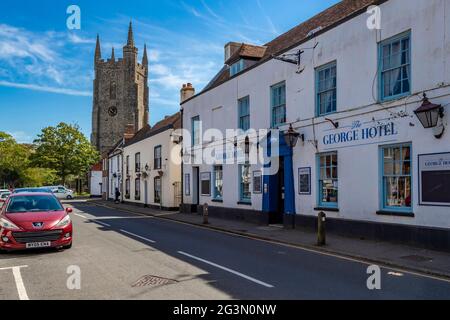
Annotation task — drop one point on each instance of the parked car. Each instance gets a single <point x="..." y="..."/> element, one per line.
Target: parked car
<point x="3" y="196"/>
<point x="33" y="190"/>
<point x="34" y="220"/>
<point x="62" y="192"/>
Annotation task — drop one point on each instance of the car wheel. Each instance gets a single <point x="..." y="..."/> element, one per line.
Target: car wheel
<point x="69" y="197"/>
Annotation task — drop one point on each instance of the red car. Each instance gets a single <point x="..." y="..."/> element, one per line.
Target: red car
<point x="31" y="221"/>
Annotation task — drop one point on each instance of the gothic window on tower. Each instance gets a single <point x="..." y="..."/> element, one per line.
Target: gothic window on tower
<point x="112" y="91"/>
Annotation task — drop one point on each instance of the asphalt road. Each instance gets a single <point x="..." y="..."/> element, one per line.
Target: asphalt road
<point x="114" y="250"/>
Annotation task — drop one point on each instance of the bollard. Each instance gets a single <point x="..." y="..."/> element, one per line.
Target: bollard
<point x="205" y="214"/>
<point x="321" y="230"/>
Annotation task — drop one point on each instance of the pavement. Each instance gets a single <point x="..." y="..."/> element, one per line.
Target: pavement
<point x="411" y="258"/>
<point x="123" y="254"/>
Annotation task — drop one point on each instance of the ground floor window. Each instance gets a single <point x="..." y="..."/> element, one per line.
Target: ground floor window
<point x="127" y="189"/>
<point x="157" y="185"/>
<point x="397" y="177"/>
<point x="218" y="183"/>
<point x="328" y="179"/>
<point x="244" y="183"/>
<point x="137" y="189"/>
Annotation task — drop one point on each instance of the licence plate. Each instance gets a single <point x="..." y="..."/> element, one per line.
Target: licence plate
<point x="36" y="245"/>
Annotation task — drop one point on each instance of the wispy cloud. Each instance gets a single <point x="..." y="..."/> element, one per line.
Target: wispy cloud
<point x="21" y="137"/>
<point x="34" y="87"/>
<point x="267" y="17"/>
<point x="43" y="61"/>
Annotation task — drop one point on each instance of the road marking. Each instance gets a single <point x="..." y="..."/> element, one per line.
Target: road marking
<point x="135" y="235"/>
<point x="80" y="215"/>
<point x="227" y="269"/>
<point x="101" y="223"/>
<point x="19" y="281"/>
<point x="300" y="247"/>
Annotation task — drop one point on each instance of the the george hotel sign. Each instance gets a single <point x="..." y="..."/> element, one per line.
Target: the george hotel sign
<point x="359" y="133"/>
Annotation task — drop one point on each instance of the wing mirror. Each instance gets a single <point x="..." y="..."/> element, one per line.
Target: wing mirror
<point x="69" y="210"/>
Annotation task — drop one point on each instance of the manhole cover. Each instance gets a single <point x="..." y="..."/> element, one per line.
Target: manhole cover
<point x="417" y="258"/>
<point x="152" y="281"/>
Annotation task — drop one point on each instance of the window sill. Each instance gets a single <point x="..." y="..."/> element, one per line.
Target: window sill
<point x="217" y="200"/>
<point x="242" y="203"/>
<point x="396" y="214"/>
<point x="326" y="209"/>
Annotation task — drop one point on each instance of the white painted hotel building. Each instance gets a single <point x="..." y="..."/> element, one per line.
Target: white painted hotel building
<point x="363" y="157"/>
<point x="151" y="167"/>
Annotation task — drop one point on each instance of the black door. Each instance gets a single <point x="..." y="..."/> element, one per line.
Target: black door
<point x="277" y="217"/>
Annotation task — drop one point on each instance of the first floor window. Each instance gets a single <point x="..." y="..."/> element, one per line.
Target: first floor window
<point x="137" y="162"/>
<point x="326" y="89"/>
<point x="137" y="189"/>
<point x="278" y="104"/>
<point x="397" y="178"/>
<point x="244" y="183"/>
<point x="218" y="183"/>
<point x="244" y="113"/>
<point x="157" y="189"/>
<point x="395" y="67"/>
<point x="157" y="160"/>
<point x="127" y="189"/>
<point x="328" y="179"/>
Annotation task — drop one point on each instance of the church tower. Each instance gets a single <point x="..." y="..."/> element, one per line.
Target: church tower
<point x="121" y="94"/>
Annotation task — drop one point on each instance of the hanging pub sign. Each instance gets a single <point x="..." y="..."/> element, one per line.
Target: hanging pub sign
<point x="434" y="179"/>
<point x="304" y="181"/>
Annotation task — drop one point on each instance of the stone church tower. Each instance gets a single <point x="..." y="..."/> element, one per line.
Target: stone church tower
<point x="121" y="95"/>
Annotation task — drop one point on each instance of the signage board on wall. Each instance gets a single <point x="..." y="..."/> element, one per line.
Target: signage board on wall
<point x="360" y="133"/>
<point x="434" y="179"/>
<point x="304" y="181"/>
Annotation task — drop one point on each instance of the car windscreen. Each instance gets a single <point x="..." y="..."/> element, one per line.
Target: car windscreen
<point x="31" y="203"/>
<point x="4" y="195"/>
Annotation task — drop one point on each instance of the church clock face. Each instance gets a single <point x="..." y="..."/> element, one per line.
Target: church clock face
<point x="112" y="111"/>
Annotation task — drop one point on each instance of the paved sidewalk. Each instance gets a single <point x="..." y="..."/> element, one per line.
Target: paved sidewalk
<point x="413" y="259"/>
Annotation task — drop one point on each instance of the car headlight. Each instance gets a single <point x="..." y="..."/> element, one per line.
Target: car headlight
<point x="64" y="222"/>
<point x="6" y="224"/>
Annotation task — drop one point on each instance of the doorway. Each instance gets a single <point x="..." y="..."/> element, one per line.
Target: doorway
<point x="276" y="217"/>
<point x="196" y="187"/>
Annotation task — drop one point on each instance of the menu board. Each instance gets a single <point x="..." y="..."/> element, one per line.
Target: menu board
<point x="434" y="179"/>
<point x="304" y="181"/>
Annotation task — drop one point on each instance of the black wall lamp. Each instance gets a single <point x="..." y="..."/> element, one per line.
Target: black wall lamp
<point x="429" y="114"/>
<point x="291" y="137"/>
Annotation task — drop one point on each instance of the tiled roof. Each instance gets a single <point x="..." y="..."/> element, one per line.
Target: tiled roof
<point x="247" y="51"/>
<point x="324" y="20"/>
<point x="171" y="122"/>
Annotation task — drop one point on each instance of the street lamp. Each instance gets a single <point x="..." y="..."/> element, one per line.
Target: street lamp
<point x="429" y="114"/>
<point x="291" y="137"/>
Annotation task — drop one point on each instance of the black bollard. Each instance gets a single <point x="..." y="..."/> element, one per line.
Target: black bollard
<point x="205" y="214"/>
<point x="321" y="230"/>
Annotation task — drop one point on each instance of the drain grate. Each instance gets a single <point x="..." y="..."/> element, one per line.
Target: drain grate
<point x="417" y="258"/>
<point x="152" y="281"/>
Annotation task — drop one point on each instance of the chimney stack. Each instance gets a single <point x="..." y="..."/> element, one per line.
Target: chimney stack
<point x="187" y="92"/>
<point x="231" y="48"/>
<point x="129" y="132"/>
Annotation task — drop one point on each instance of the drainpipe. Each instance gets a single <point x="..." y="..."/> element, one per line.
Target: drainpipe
<point x="182" y="164"/>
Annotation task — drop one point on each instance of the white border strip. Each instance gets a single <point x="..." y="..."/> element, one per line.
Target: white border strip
<point x="228" y="270"/>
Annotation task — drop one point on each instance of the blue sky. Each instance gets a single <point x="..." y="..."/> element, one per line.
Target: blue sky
<point x="46" y="70"/>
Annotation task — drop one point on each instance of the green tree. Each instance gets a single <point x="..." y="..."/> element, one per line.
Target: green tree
<point x="38" y="177"/>
<point x="64" y="149"/>
<point x="14" y="160"/>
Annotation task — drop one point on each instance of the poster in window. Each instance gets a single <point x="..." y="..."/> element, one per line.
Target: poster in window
<point x="304" y="181"/>
<point x="205" y="179"/>
<point x="257" y="182"/>
<point x="434" y="179"/>
<point x="187" y="184"/>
